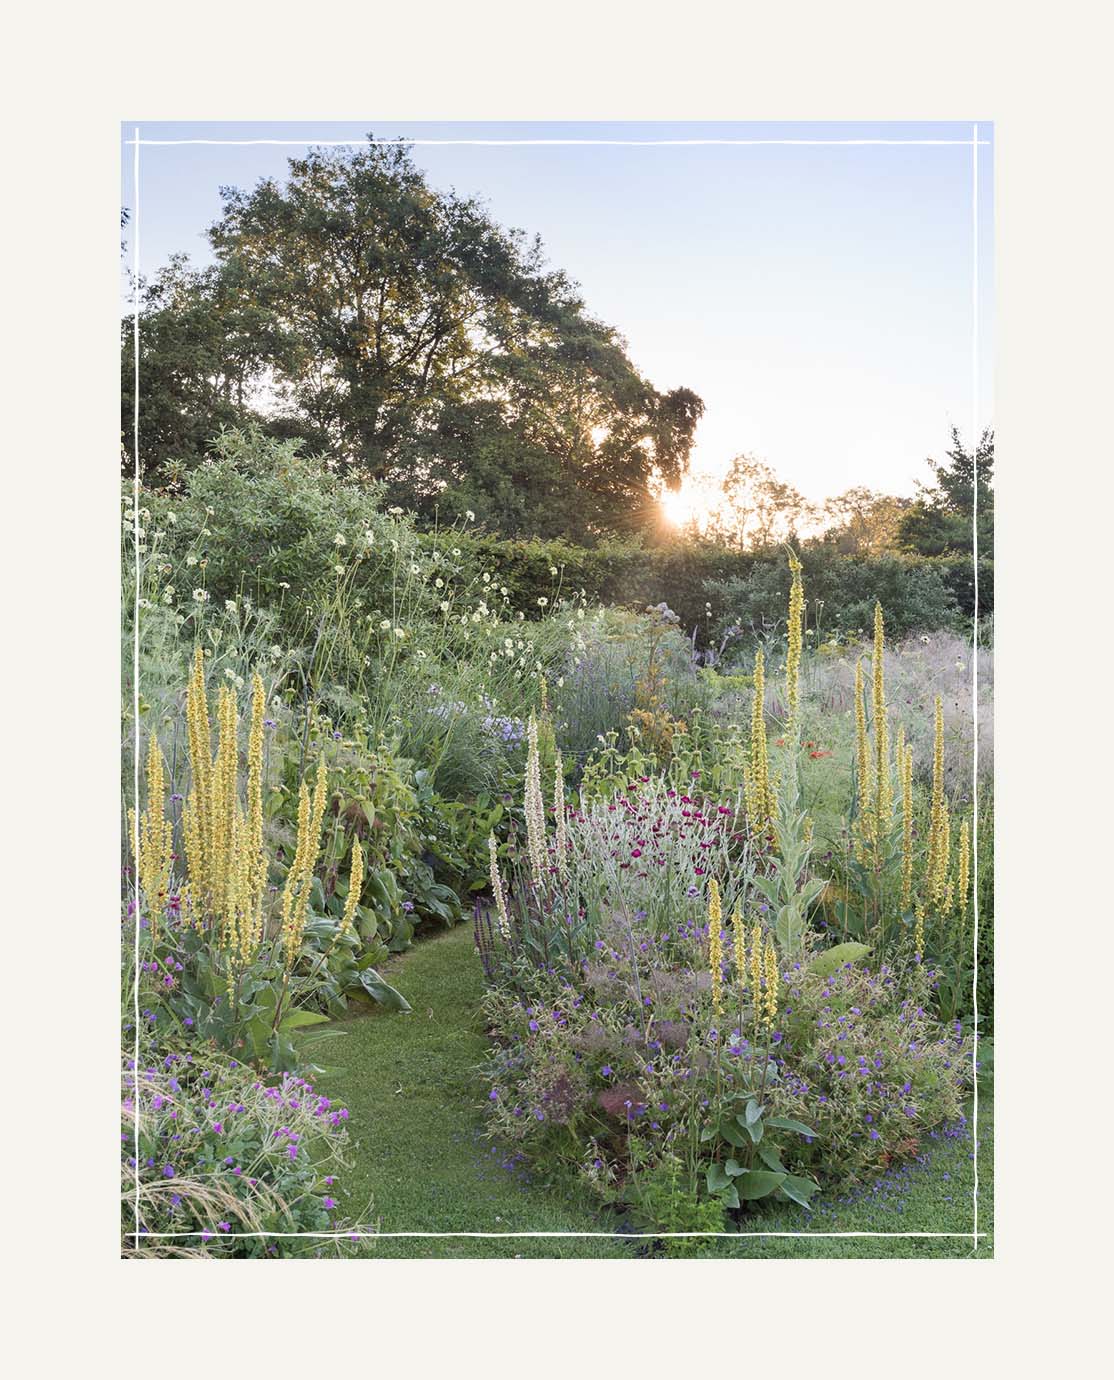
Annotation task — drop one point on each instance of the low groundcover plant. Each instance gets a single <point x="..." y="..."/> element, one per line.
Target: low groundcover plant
<point x="216" y="1161"/>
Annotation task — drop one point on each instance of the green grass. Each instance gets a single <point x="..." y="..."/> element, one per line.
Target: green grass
<point x="418" y="1121"/>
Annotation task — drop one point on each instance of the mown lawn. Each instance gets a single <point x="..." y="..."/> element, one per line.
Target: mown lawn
<point x="417" y="1122"/>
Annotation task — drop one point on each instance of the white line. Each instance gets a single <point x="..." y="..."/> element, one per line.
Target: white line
<point x="975" y="659"/>
<point x="135" y="641"/>
<point x="516" y="1235"/>
<point x="975" y="143"/>
<point x="604" y="143"/>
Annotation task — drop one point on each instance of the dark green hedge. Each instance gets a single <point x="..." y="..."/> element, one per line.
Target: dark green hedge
<point x="741" y="588"/>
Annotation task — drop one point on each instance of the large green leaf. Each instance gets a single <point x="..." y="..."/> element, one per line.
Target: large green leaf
<point x="786" y="1123"/>
<point x="770" y="1158"/>
<point x="789" y="926"/>
<point x="294" y="1020"/>
<point x="731" y="1134"/>
<point x="757" y="1183"/>
<point x="831" y="960"/>
<point x="716" y="1179"/>
<point x="382" y="991"/>
<point x="800" y="1190"/>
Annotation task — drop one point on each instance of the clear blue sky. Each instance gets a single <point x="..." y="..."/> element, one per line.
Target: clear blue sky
<point x="819" y="299"/>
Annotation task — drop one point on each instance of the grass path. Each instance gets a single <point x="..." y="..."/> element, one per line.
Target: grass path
<point x="417" y="1122"/>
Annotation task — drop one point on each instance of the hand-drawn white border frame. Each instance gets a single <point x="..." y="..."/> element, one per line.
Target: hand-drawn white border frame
<point x="973" y="144"/>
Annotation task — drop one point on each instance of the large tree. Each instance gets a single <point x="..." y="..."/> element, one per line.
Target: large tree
<point x="862" y="522"/>
<point x="942" y="519"/>
<point x="758" y="511"/>
<point x="405" y="333"/>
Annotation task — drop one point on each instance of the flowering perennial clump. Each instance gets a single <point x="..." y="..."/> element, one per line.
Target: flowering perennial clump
<point x="154" y="837"/>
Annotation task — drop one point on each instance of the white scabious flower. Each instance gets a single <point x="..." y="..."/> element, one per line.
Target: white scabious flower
<point x="559" y="816"/>
<point x="340" y="539"/>
<point x="497" y="889"/>
<point x="201" y="596"/>
<point x="534" y="804"/>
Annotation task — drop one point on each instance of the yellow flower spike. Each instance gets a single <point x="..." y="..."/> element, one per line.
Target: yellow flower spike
<point x="939" y="881"/>
<point x="355" y="884"/>
<point x="883" y="787"/>
<point x="715" y="944"/>
<point x="772" y="980"/>
<point x="906" y="827"/>
<point x="862" y="757"/>
<point x="201" y="767"/>
<point x="963" y="879"/>
<point x="756" y="963"/>
<point x="291" y="892"/>
<point x="937" y="826"/>
<point x="255" y="787"/>
<point x="795" y="639"/>
<point x="739" y="937"/>
<point x="762" y="807"/>
<point x="153" y="834"/>
<point x="918" y="929"/>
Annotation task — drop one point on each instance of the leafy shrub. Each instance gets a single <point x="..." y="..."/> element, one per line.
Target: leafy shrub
<point x="843" y="591"/>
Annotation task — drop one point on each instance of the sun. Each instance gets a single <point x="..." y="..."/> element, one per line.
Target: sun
<point x="678" y="507"/>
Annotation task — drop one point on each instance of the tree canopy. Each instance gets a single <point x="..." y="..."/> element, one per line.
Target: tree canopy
<point x="404" y="334"/>
<point x="942" y="518"/>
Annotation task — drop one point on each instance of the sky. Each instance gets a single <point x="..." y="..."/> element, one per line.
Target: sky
<point x="817" y="296"/>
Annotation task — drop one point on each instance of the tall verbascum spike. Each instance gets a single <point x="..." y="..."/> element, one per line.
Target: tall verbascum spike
<point x="309" y="858"/>
<point x="255" y="789"/>
<point x="863" y="768"/>
<point x="739" y="939"/>
<point x="795" y="640"/>
<point x="534" y="806"/>
<point x="963" y="878"/>
<point x="883" y="786"/>
<point x="223" y="799"/>
<point x="355" y="885"/>
<point x="559" y="820"/>
<point x="497" y="891"/>
<point x="938" y="882"/>
<point x="762" y="807"/>
<point x="772" y="981"/>
<point x="199" y="805"/>
<point x="155" y="836"/>
<point x="756" y="965"/>
<point x="291" y="892"/>
<point x="938" y="830"/>
<point x="906" y="827"/>
<point x="715" y="944"/>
